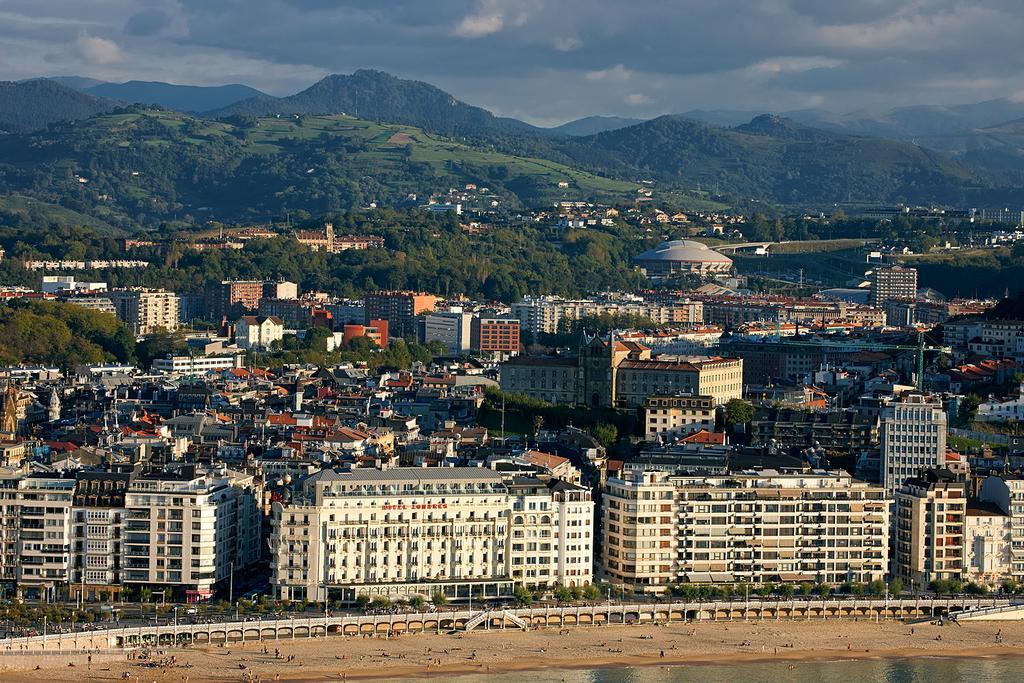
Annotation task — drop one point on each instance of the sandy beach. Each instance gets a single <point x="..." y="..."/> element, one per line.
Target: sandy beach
<point x="428" y="655"/>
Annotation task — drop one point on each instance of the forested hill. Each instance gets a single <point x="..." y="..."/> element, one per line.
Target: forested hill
<point x="378" y="96"/>
<point x="778" y="161"/>
<point x="34" y="104"/>
<point x="138" y="166"/>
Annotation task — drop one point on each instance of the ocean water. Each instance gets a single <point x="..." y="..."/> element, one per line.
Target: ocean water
<point x="916" y="670"/>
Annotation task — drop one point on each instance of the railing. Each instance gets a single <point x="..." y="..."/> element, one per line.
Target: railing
<point x="627" y="613"/>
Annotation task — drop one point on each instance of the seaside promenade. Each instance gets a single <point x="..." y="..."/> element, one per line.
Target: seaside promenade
<point x="463" y="620"/>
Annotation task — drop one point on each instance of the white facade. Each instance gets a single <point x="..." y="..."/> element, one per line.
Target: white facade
<point x="987" y="541"/>
<point x="195" y="365"/>
<point x="188" y="531"/>
<point x="258" y="333"/>
<point x="1007" y="493"/>
<point x="552" y="534"/>
<point x="408" y="531"/>
<point x="451" y="328"/>
<point x="994" y="410"/>
<point x="913" y="438"/>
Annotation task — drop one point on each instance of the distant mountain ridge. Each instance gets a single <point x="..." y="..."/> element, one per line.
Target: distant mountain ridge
<point x="591" y="125"/>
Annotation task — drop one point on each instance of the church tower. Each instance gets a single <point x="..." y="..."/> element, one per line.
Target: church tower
<point x="53" y="408"/>
<point x="9" y="416"/>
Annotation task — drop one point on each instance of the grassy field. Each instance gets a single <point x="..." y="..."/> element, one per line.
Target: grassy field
<point x="51" y="213"/>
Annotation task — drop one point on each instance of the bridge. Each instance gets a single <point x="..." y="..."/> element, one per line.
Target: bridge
<point x="605" y="614"/>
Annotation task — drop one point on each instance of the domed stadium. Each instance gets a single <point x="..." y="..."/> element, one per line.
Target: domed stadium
<point x="683" y="256"/>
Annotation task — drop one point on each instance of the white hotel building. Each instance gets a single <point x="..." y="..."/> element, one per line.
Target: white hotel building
<point x="409" y="531"/>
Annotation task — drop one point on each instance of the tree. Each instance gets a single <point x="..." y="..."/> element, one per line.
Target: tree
<point x="591" y="593"/>
<point x="896" y="586"/>
<point x="606" y="434"/>
<point x="786" y="590"/>
<point x="417" y="602"/>
<point x="380" y="603"/>
<point x="969" y="407"/>
<point x="877" y="587"/>
<point x="737" y="412"/>
<point x="522" y="596"/>
<point x="439" y="599"/>
<point x="562" y="594"/>
<point x="362" y="601"/>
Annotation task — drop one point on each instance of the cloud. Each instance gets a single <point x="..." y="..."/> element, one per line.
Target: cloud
<point x="545" y="60"/>
<point x="615" y="73"/>
<point x="95" y="50"/>
<point x="568" y="44"/>
<point x="489" y="18"/>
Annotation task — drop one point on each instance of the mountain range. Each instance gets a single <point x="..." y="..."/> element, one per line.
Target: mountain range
<point x="781" y="160"/>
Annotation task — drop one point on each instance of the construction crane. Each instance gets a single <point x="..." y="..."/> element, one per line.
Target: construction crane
<point x="853" y="344"/>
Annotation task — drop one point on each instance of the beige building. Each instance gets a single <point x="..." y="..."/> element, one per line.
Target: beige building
<point x="145" y="311"/>
<point x="931" y="511"/>
<point x="758" y="527"/>
<point x="611" y="373"/>
<point x="677" y="415"/>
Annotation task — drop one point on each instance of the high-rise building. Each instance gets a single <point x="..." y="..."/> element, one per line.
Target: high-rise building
<point x="912" y="430"/>
<point x="755" y="527"/>
<point x="399" y="309"/>
<point x="146" y="310"/>
<point x="893" y="283"/>
<point x="233" y="297"/>
<point x="931" y="511"/>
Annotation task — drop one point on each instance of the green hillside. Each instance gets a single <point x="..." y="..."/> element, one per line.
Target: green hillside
<point x="139" y="166"/>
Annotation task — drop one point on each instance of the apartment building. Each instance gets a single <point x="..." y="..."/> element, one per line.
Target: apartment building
<point x="848" y="431"/>
<point x="232" y="297"/>
<point x="551" y="533"/>
<point x="610" y="373"/>
<point x="889" y="283"/>
<point x="538" y="314"/>
<point x="755" y="526"/>
<point x="258" y="332"/>
<point x="187" y="531"/>
<point x="452" y="328"/>
<point x="144" y="310"/>
<point x="196" y="365"/>
<point x="1007" y="494"/>
<point x="399" y="309"/>
<point x="912" y="430"/>
<point x="677" y="415"/>
<point x="931" y="511"/>
<point x="407" y="531"/>
<point x="495" y="336"/>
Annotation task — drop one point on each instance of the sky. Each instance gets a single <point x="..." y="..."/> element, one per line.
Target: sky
<point x="546" y="61"/>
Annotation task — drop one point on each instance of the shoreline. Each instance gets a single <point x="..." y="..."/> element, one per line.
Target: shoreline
<point x="427" y="656"/>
